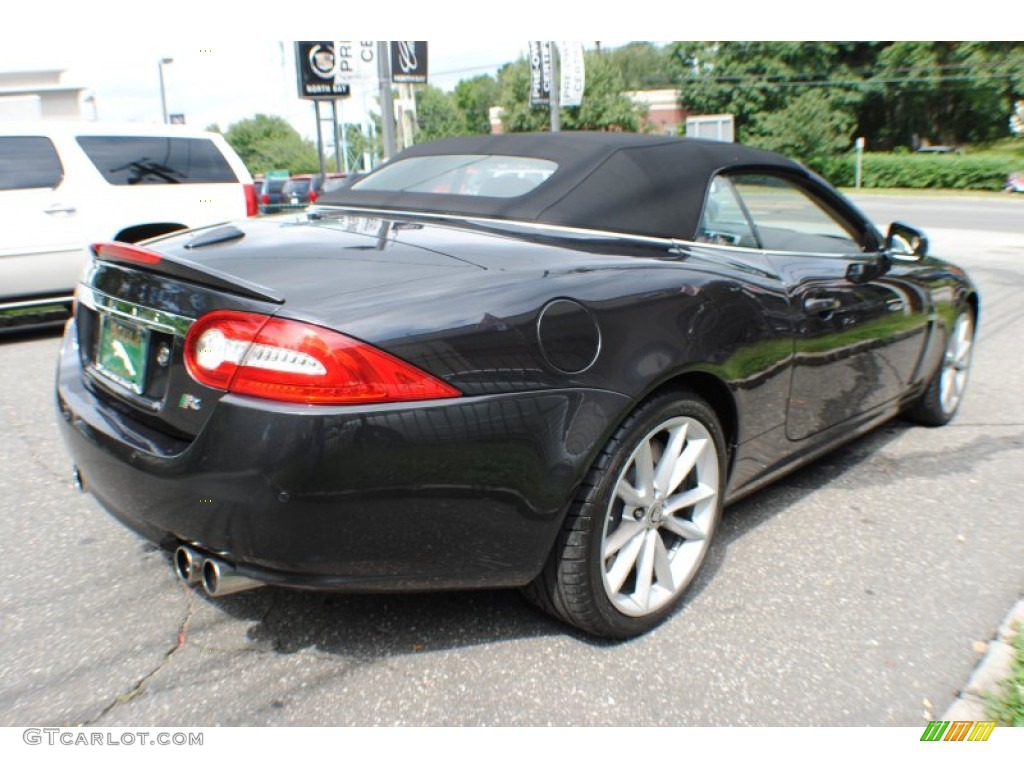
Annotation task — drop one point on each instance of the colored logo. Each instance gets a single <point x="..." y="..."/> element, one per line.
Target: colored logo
<point x="958" y="730"/>
<point x="190" y="402"/>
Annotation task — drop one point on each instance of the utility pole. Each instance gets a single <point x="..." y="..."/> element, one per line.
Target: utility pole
<point x="319" y="135"/>
<point x="387" y="103"/>
<point x="556" y="94"/>
<point x="163" y="94"/>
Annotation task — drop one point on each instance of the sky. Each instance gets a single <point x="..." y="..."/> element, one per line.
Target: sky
<point x="219" y="82"/>
<point x="232" y="60"/>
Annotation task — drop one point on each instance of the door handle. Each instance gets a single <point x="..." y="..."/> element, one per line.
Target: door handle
<point x="821" y="305"/>
<point x="58" y="208"/>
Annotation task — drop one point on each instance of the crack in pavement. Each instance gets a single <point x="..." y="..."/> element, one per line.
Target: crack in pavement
<point x="18" y="430"/>
<point x="136" y="689"/>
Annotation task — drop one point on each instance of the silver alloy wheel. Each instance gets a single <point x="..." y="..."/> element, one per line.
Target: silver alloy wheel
<point x="659" y="521"/>
<point x="956" y="363"/>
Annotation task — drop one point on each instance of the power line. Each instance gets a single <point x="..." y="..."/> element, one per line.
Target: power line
<point x="749" y="82"/>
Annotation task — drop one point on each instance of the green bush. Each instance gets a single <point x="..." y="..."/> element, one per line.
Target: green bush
<point x="984" y="170"/>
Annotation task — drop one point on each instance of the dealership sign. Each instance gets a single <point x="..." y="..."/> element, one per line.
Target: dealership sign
<point x="573" y="74"/>
<point x="321" y="69"/>
<point x="408" y="61"/>
<point x="540" y="73"/>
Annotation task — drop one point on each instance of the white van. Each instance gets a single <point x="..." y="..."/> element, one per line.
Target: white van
<point x="66" y="185"/>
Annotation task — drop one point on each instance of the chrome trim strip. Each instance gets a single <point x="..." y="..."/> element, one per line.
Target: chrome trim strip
<point x="605" y="234"/>
<point x="154" y="319"/>
<point x="673" y="242"/>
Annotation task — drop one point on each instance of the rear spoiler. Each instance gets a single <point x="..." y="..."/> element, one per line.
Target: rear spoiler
<point x="183" y="269"/>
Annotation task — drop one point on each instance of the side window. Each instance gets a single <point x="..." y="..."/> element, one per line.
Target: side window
<point x="29" y="162"/>
<point x="125" y="160"/>
<point x="788" y="218"/>
<point x="723" y="221"/>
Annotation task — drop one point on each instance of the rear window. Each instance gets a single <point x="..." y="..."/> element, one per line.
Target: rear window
<point x="473" y="175"/>
<point x="296" y="187"/>
<point x="29" y="162"/>
<point x="125" y="160"/>
<point x="333" y="185"/>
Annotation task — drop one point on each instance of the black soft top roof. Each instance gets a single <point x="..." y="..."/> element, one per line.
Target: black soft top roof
<point x="621" y="182"/>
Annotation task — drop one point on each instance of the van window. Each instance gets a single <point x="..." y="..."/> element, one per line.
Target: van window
<point x="127" y="160"/>
<point x="29" y="162"/>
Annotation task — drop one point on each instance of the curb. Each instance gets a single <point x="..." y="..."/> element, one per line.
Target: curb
<point x="991" y="670"/>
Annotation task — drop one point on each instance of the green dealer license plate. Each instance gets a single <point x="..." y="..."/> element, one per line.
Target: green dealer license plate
<point x="122" y="353"/>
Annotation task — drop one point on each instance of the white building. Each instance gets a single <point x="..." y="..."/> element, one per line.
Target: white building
<point x="40" y="95"/>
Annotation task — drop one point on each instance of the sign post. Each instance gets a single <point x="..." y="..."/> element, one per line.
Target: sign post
<point x="387" y="102"/>
<point x="860" y="159"/>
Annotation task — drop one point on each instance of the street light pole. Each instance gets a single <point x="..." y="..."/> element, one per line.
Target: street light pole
<point x="163" y="95"/>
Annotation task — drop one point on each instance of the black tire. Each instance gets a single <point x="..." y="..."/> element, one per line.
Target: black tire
<point x="584" y="583"/>
<point x="940" y="401"/>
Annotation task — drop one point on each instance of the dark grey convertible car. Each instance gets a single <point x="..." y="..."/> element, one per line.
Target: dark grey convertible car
<point x="541" y="361"/>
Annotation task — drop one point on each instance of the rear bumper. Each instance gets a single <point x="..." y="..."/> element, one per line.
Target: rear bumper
<point x="467" y="492"/>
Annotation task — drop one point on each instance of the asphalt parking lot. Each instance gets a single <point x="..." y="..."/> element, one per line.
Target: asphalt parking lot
<point x="854" y="592"/>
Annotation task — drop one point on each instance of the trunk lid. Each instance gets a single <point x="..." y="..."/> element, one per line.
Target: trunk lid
<point x="132" y="316"/>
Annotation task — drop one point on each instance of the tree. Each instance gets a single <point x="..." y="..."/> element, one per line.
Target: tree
<point x="809" y="128"/>
<point x="437" y="115"/>
<point x="643" y="66"/>
<point x="751" y="80"/>
<point x="516" y="113"/>
<point x="901" y="93"/>
<point x="475" y="97"/>
<point x="267" y="142"/>
<point x="605" y="105"/>
<point x="949" y="92"/>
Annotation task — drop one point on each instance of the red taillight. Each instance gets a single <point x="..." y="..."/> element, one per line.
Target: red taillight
<point x="252" y="206"/>
<point x="132" y="254"/>
<point x="266" y="199"/>
<point x="312" y="195"/>
<point x="295" y="362"/>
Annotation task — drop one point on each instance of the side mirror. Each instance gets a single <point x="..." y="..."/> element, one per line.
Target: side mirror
<point x="903" y="239"/>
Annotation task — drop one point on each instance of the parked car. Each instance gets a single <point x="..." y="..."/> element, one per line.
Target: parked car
<point x="1015" y="181"/>
<point x="429" y="385"/>
<point x="334" y="182"/>
<point x="320" y="182"/>
<point x="295" y="193"/>
<point x="302" y="190"/>
<point x="64" y="185"/>
<point x="271" y="199"/>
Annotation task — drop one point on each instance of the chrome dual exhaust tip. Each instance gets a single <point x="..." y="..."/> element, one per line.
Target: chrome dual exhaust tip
<point x="217" y="577"/>
<point x="188" y="564"/>
<point x="221" y="579"/>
